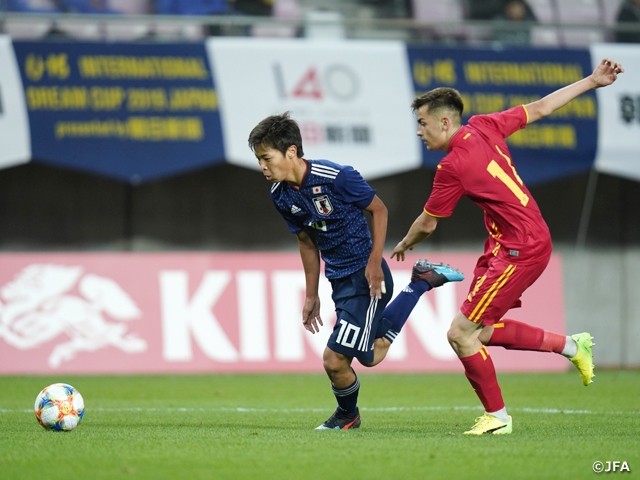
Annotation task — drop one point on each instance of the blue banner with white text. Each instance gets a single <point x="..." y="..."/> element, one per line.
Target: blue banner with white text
<point x="135" y="112"/>
<point x="491" y="80"/>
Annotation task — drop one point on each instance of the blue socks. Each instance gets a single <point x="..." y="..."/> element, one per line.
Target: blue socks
<point x="348" y="397"/>
<point x="398" y="311"/>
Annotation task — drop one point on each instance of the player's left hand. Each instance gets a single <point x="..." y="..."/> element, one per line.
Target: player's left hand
<point x="606" y="73"/>
<point x="375" y="276"/>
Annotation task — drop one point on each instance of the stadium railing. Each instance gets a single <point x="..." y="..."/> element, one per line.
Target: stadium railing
<point x="198" y="27"/>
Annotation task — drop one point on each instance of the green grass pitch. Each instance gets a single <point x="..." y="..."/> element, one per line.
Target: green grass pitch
<point x="262" y="427"/>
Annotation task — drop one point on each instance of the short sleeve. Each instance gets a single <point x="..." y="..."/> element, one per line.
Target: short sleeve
<point x="503" y="123"/>
<point x="447" y="190"/>
<point x="353" y="188"/>
<point x="292" y="222"/>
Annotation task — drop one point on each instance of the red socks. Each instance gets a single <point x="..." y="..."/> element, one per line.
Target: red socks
<point x="514" y="335"/>
<point x="481" y="373"/>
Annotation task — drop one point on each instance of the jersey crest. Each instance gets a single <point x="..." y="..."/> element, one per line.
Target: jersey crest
<point x="323" y="205"/>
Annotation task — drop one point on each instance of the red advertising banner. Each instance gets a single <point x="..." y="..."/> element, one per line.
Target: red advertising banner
<point x="120" y="313"/>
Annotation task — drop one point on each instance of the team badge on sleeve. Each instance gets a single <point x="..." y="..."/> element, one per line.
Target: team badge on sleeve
<point x="323" y="205"/>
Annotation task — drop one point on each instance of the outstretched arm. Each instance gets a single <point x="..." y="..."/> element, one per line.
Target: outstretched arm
<point x="422" y="227"/>
<point x="604" y="74"/>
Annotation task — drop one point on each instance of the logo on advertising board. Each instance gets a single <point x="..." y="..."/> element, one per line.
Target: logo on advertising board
<point x="87" y="313"/>
<point x="81" y="312"/>
<point x="351" y="99"/>
<point x="14" y="123"/>
<point x="337" y="80"/>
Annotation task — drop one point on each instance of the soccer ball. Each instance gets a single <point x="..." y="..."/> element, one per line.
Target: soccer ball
<point x="59" y="407"/>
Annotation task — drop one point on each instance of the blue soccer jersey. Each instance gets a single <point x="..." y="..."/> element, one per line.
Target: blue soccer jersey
<point x="328" y="206"/>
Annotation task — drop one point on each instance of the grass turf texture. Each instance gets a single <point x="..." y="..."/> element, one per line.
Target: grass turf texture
<point x="261" y="426"/>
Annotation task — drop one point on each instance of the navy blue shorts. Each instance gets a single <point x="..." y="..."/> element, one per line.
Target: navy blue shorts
<point x="359" y="317"/>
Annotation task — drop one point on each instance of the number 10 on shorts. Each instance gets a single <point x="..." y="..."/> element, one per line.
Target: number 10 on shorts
<point x="348" y="334"/>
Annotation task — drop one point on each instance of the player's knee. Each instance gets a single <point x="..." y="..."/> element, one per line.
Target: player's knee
<point x="451" y="336"/>
<point x="331" y="366"/>
<point x="335" y="363"/>
<point x="457" y="338"/>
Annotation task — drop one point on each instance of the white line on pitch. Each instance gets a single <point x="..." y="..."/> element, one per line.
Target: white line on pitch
<point x="366" y="409"/>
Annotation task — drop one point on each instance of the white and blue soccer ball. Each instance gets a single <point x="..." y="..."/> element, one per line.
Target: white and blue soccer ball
<point x="59" y="407"/>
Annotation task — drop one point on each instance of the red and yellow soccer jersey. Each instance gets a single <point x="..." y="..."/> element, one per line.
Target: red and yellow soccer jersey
<point x="478" y="165"/>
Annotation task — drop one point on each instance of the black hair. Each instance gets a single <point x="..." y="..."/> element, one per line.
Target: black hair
<point x="279" y="132"/>
<point x="442" y="98"/>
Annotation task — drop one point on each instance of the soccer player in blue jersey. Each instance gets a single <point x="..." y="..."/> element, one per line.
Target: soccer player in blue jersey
<point x="322" y="203"/>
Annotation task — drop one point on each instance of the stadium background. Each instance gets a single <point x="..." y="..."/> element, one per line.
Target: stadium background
<point x="50" y="204"/>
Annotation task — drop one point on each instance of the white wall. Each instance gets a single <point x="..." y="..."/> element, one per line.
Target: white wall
<point x="602" y="288"/>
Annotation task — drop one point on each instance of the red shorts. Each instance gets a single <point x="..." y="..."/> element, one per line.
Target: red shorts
<point x="497" y="287"/>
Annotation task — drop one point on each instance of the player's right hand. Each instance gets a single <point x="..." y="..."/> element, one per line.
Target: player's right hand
<point x="311" y="314"/>
<point x="398" y="252"/>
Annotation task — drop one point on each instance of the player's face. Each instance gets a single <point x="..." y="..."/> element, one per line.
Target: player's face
<point x="275" y="166"/>
<point x="431" y="130"/>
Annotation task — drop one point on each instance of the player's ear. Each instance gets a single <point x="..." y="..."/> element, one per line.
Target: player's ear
<point x="292" y="151"/>
<point x="449" y="123"/>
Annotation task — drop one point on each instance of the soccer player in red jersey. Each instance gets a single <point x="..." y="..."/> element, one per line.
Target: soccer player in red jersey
<point x="478" y="164"/>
